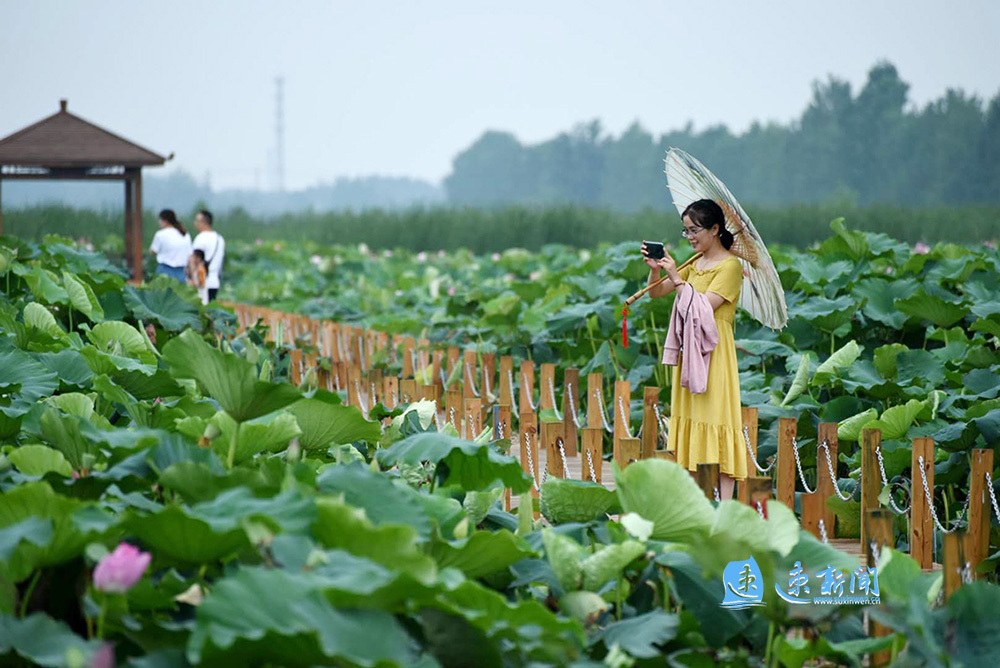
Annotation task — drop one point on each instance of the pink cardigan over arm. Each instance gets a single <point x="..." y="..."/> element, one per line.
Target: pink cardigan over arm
<point x="692" y="330"/>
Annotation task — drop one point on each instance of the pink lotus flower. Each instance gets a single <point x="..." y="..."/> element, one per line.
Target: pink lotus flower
<point x="451" y="291"/>
<point x="259" y="241"/>
<point x="120" y="570"/>
<point x="440" y="253"/>
<point x="535" y="275"/>
<point x="422" y="256"/>
<point x="990" y="244"/>
<point x="387" y="253"/>
<point x="495" y="257"/>
<point x="104" y="657"/>
<point x="888" y="270"/>
<point x="920" y="248"/>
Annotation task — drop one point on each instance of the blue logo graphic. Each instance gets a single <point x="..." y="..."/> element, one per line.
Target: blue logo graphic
<point x="744" y="584"/>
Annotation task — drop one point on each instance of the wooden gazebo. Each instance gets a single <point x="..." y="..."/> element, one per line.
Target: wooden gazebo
<point x="64" y="146"/>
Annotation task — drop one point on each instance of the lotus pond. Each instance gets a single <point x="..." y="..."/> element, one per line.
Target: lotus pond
<point x="270" y="524"/>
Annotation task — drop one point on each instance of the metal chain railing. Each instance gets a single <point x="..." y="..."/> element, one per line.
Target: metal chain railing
<point x="361" y="351"/>
<point x="472" y="383"/>
<point x="472" y="428"/>
<point x="340" y="344"/>
<point x="572" y="407"/>
<point x="621" y="411"/>
<point x="362" y="404"/>
<point x="510" y="383"/>
<point x="825" y="445"/>
<point x="760" y="510"/>
<point x="715" y="493"/>
<point x="798" y="464"/>
<point x="531" y="400"/>
<point x="993" y="498"/>
<point x="486" y="389"/>
<point x="601" y="410"/>
<point x="660" y="420"/>
<point x="590" y="465"/>
<point x="451" y="418"/>
<point x="876" y="552"/>
<point x="552" y="396"/>
<point x="562" y="456"/>
<point x="885" y="483"/>
<point x="930" y="501"/>
<point x="531" y="460"/>
<point x="753" y="455"/>
<point x="822" y="531"/>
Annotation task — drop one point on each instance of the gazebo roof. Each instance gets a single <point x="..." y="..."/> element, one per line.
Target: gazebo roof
<point x="66" y="140"/>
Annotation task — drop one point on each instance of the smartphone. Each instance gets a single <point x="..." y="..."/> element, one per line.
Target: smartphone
<point x="654" y="250"/>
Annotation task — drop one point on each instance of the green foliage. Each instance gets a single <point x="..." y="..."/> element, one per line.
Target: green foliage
<point x="328" y="538"/>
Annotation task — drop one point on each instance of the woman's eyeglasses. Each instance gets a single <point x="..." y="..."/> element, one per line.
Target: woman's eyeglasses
<point x="688" y="234"/>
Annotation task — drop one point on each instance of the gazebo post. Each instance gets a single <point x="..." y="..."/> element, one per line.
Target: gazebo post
<point x="129" y="225"/>
<point x="137" y="227"/>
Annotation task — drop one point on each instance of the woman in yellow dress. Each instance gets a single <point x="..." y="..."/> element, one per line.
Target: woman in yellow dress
<point x="707" y="428"/>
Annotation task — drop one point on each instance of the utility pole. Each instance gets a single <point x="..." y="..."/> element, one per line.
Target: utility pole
<point x="279" y="132"/>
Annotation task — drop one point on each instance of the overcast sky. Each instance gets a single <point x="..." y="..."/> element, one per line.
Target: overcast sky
<point x="398" y="88"/>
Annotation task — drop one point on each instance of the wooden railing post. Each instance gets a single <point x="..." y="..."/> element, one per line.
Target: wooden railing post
<point x="506" y="371"/>
<point x="980" y="507"/>
<point x="786" y="461"/>
<point x="453" y="409"/>
<point x="595" y="387"/>
<point x="593" y="444"/>
<point x="650" y="426"/>
<point x="552" y="434"/>
<point x="812" y="513"/>
<point x="871" y="479"/>
<point x="489" y="380"/>
<point x="955" y="561"/>
<point x="750" y="422"/>
<point x="390" y="391"/>
<point x="408" y="391"/>
<point x="758" y="492"/>
<point x="409" y="344"/>
<point x="827" y="431"/>
<point x="528" y="434"/>
<point x="921" y="524"/>
<point x="708" y="479"/>
<point x="878" y="524"/>
<point x="295" y="367"/>
<point x="527" y="392"/>
<point x="472" y="420"/>
<point x="503" y="421"/>
<point x="469" y="373"/>
<point x="621" y="422"/>
<point x="571" y="392"/>
<point x="546" y="377"/>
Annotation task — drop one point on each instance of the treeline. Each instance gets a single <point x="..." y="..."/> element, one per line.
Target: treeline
<point x="865" y="147"/>
<point x="179" y="190"/>
<point x="492" y="229"/>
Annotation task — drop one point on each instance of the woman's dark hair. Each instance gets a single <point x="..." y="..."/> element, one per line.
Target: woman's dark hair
<point x="170" y="218"/>
<point x="707" y="213"/>
<point x="200" y="254"/>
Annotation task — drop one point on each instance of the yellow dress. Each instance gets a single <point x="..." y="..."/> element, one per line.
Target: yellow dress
<point x="708" y="427"/>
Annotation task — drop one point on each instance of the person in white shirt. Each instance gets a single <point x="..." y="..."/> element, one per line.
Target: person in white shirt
<point x="213" y="246"/>
<point x="171" y="246"/>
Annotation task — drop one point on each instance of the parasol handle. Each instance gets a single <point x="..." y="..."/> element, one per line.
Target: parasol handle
<point x="631" y="300"/>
